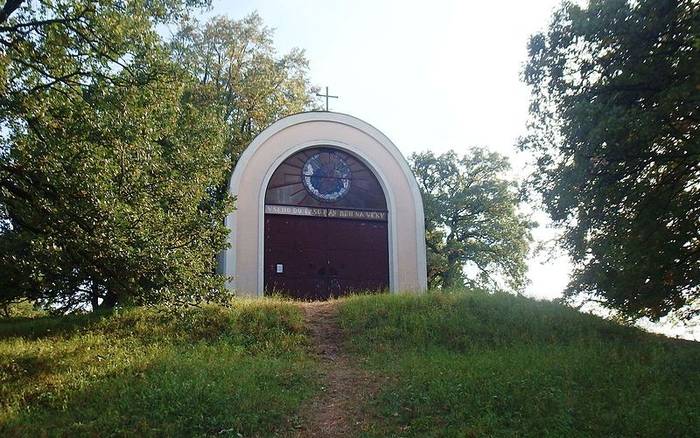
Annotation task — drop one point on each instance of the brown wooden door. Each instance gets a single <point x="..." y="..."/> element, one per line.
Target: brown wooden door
<point x="316" y="258"/>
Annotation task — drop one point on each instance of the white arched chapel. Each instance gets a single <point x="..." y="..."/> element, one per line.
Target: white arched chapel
<point x="325" y="205"/>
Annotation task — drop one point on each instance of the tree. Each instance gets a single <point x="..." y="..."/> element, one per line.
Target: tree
<point x="472" y="219"/>
<point x="615" y="119"/>
<point x="110" y="156"/>
<point x="237" y="62"/>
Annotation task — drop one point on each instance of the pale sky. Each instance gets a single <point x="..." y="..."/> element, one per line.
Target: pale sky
<point x="438" y="75"/>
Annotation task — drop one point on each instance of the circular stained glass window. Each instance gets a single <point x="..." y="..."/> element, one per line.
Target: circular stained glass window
<point x="326" y="176"/>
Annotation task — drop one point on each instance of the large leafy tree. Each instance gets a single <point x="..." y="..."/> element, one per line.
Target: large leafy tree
<point x="615" y="129"/>
<point x="475" y="235"/>
<point x="109" y="159"/>
<point x="237" y="63"/>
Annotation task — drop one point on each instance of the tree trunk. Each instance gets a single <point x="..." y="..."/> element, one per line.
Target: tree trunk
<point x="95" y="296"/>
<point x="94" y="300"/>
<point x="452" y="277"/>
<point x="110" y="300"/>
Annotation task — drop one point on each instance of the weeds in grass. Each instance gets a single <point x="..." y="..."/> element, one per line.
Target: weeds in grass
<point x="478" y="364"/>
<point x="149" y="371"/>
<point x="459" y="364"/>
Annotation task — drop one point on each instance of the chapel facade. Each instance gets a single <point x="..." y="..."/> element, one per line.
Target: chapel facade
<point x="326" y="205"/>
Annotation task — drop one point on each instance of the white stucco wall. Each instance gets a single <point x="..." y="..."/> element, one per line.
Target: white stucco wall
<point x="243" y="261"/>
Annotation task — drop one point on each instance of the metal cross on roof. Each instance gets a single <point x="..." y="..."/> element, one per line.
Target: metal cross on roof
<point x="327" y="96"/>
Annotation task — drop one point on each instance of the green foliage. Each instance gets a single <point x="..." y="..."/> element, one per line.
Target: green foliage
<point x="235" y="60"/>
<point x="475" y="364"/>
<point x="22" y="309"/>
<point x="615" y="129"/>
<point x="110" y="157"/>
<point x="471" y="218"/>
<point x="234" y="371"/>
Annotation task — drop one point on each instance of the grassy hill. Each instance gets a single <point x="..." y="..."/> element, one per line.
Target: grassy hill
<point x="467" y="364"/>
<point x="148" y="372"/>
<point x="500" y="365"/>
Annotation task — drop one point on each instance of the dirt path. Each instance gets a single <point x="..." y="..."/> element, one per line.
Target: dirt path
<point x="337" y="410"/>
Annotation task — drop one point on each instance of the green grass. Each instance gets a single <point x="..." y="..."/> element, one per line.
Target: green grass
<point x="147" y="372"/>
<point x="467" y="364"/>
<point x="474" y="364"/>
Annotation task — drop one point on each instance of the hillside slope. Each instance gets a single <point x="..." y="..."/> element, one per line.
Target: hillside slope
<point x="498" y="365"/>
<point x="214" y="371"/>
<point x="466" y="364"/>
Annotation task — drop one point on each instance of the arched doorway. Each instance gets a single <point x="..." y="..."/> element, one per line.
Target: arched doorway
<point x="243" y="262"/>
<point x="325" y="226"/>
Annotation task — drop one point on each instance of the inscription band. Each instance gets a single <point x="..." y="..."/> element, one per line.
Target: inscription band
<point x="327" y="212"/>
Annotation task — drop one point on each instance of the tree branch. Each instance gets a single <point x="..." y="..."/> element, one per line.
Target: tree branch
<point x="10" y="7"/>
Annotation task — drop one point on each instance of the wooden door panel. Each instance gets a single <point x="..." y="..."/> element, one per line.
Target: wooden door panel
<point x="356" y="235"/>
<point x="283" y="231"/>
<point x="358" y="265"/>
<point x="323" y="257"/>
<point x="296" y="263"/>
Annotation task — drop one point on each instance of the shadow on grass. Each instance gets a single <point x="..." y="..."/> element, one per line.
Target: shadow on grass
<point x="540" y="390"/>
<point x="180" y="391"/>
<point x="144" y="372"/>
<point x="47" y="326"/>
<point x="30" y="366"/>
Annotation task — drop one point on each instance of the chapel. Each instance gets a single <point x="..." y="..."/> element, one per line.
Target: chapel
<point x="326" y="205"/>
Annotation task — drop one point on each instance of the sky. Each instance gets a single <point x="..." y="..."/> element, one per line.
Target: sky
<point x="438" y="75"/>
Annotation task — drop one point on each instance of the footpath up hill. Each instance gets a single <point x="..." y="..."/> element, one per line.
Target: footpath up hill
<point x="463" y="364"/>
